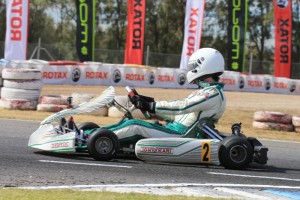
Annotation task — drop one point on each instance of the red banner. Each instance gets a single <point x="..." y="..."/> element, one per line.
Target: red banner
<point x="135" y="32"/>
<point x="283" y="38"/>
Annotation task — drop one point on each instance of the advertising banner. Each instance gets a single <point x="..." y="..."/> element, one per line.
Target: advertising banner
<point x="237" y="28"/>
<point x="283" y="38"/>
<point x="134" y="50"/>
<point x="194" y="13"/>
<point x="17" y="13"/>
<point x="85" y="35"/>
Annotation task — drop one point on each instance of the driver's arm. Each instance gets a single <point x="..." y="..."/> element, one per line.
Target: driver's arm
<point x="199" y="100"/>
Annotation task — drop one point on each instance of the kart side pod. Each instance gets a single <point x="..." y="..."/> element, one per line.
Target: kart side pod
<point x="178" y="150"/>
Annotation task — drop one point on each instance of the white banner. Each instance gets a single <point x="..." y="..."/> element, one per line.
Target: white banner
<point x="16" y="29"/>
<point x="194" y="13"/>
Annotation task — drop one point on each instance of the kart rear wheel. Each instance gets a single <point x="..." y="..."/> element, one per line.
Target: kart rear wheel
<point x="103" y="145"/>
<point x="88" y="125"/>
<point x="235" y="152"/>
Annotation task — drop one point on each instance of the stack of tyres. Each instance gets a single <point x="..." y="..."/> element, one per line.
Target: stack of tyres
<point x="52" y="103"/>
<point x="21" y="88"/>
<point x="268" y="120"/>
<point x="296" y="123"/>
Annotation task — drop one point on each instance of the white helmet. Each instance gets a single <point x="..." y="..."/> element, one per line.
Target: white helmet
<point x="203" y="62"/>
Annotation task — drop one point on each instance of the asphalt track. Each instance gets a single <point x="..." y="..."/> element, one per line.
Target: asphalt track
<point x="21" y="166"/>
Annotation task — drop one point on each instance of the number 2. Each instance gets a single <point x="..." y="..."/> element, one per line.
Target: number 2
<point x="205" y="152"/>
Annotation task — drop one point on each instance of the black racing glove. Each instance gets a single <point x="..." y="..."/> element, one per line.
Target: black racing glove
<point x="143" y="103"/>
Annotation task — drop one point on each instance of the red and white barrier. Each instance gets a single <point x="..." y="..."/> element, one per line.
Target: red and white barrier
<point x="93" y="73"/>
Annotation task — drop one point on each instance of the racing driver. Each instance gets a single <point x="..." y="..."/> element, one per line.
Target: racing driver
<point x="205" y="104"/>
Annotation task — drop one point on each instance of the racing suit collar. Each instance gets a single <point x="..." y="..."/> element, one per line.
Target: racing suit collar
<point x="203" y="84"/>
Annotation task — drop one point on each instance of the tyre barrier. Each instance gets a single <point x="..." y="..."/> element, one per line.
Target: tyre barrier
<point x="52" y="103"/>
<point x="274" y="117"/>
<point x="273" y="126"/>
<point x="50" y="107"/>
<point x="22" y="86"/>
<point x="296" y="123"/>
<point x="21" y="73"/>
<point x="12" y="93"/>
<point x="53" y="99"/>
<point x="18" y="104"/>
<point x="296" y="120"/>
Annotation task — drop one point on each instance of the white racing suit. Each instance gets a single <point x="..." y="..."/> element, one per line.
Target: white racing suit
<point x="208" y="102"/>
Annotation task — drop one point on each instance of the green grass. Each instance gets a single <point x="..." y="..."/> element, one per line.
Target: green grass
<point x="21" y="194"/>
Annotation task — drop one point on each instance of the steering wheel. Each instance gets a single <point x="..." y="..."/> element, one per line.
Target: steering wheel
<point x="131" y="93"/>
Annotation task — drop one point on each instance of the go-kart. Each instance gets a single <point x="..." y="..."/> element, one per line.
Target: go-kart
<point x="57" y="134"/>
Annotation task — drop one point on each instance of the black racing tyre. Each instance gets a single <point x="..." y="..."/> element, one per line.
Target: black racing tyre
<point x="235" y="152"/>
<point x="103" y="145"/>
<point x="87" y="126"/>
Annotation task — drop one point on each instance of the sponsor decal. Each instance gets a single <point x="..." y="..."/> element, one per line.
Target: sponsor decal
<point x="241" y="82"/>
<point x="136" y="10"/>
<point x="228" y="81"/>
<point x="255" y="83"/>
<point x="267" y="84"/>
<point x="16" y="29"/>
<point x="116" y="76"/>
<point x="192" y="31"/>
<point x="283" y="38"/>
<point x="76" y="74"/>
<point x="135" y="77"/>
<point x="194" y="12"/>
<point x="181" y="79"/>
<point x="16" y="20"/>
<point x="280" y="85"/>
<point x="85" y="29"/>
<point x="282" y="3"/>
<point x="59" y="145"/>
<point x="157" y="150"/>
<point x="151" y="78"/>
<point x="165" y="78"/>
<point x="96" y="75"/>
<point x="293" y="86"/>
<point x="55" y="75"/>
<point x="236" y="34"/>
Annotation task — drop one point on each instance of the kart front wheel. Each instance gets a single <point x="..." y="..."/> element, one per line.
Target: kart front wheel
<point x="103" y="145"/>
<point x="235" y="152"/>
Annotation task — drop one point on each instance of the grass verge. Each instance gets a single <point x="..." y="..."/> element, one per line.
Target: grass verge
<point x="13" y="194"/>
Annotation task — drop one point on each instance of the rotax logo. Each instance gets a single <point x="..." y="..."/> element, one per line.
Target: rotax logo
<point x="55" y="75"/>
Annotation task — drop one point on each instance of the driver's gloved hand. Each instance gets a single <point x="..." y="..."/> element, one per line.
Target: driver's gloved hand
<point x="143" y="102"/>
